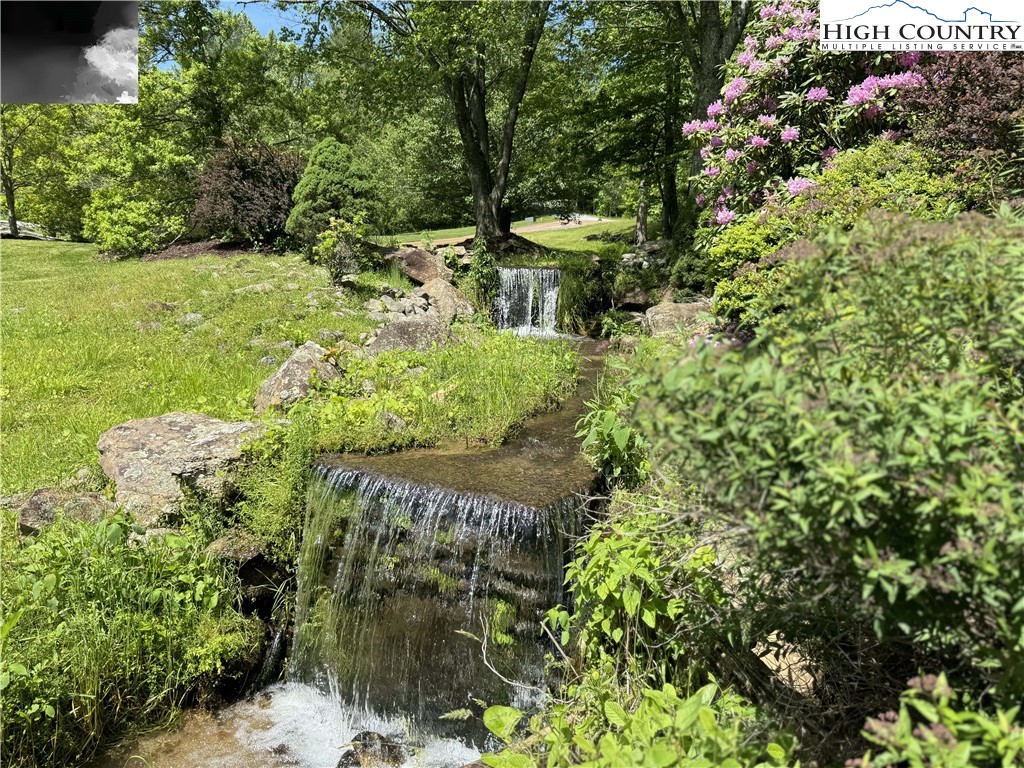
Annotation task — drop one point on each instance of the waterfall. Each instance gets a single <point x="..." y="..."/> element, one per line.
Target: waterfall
<point x="391" y="572"/>
<point x="527" y="300"/>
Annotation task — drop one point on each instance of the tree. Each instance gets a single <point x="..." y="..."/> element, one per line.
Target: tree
<point x="17" y="124"/>
<point x="480" y="55"/>
<point x="330" y="187"/>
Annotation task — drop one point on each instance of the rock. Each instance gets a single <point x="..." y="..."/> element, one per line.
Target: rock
<point x="652" y="246"/>
<point x="329" y="335"/>
<point x="395" y="293"/>
<point x="419" y="333"/>
<point x="236" y="545"/>
<point x="286" y="344"/>
<point x="349" y="281"/>
<point x="668" y="318"/>
<point x="373" y="305"/>
<point x="154" y="326"/>
<point x="190" y="319"/>
<point x="391" y="421"/>
<point x="451" y="303"/>
<point x="160" y="306"/>
<point x="150" y="535"/>
<point x="420" y="266"/>
<point x="377" y="317"/>
<point x="372" y="749"/>
<point x="392" y="304"/>
<point x="40" y="508"/>
<point x="152" y="459"/>
<point x="292" y="286"/>
<point x="257" y="288"/>
<point x="290" y="382"/>
<point x="460" y="250"/>
<point x="269" y="360"/>
<point x="636" y="297"/>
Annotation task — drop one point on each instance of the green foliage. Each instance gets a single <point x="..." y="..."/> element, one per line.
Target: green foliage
<point x="102" y="635"/>
<point x="483" y="277"/>
<point x="896" y="177"/>
<point x="582" y="293"/>
<point x="868" y="445"/>
<point x="479" y="390"/>
<point x="331" y="188"/>
<point x="273" y="482"/>
<point x="932" y="730"/>
<point x="342" y="248"/>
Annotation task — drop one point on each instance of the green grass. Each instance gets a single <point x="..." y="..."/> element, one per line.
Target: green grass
<point x="86" y="345"/>
<point x="573" y="239"/>
<point x="444" y="234"/>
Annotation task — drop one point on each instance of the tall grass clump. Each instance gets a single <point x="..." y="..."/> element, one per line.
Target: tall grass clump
<point x="102" y="635"/>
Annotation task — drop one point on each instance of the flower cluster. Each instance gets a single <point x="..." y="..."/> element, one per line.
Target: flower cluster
<point x="777" y="122"/>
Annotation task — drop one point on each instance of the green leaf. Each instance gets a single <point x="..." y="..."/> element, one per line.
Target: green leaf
<point x="631" y="600"/>
<point x="457" y="714"/>
<point x="775" y="752"/>
<point x="506" y="760"/>
<point x="502" y="721"/>
<point x="615" y="714"/>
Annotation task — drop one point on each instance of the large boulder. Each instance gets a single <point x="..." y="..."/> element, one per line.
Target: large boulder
<point x="152" y="460"/>
<point x="289" y="383"/>
<point x="421" y="266"/>
<point x="668" y="318"/>
<point x="451" y="303"/>
<point x="418" y="332"/>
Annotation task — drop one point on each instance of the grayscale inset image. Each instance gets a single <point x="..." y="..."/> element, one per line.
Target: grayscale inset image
<point x="79" y="52"/>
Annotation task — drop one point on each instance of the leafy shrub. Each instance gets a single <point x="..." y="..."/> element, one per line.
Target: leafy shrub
<point x="246" y="192"/>
<point x="868" y="447"/>
<point x="482" y="281"/>
<point x="101" y="635"/>
<point x="331" y="187"/>
<point x="930" y="729"/>
<point x="343" y="248"/>
<point x="895" y="177"/>
<point x="970" y="109"/>
<point x="126" y="222"/>
<point x="582" y="292"/>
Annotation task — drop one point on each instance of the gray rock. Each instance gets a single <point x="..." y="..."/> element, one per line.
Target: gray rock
<point x="159" y="306"/>
<point x="349" y="281"/>
<point x="154" y="326"/>
<point x="391" y="421"/>
<point x="420" y="333"/>
<point x="451" y="303"/>
<point x="377" y="317"/>
<point x="287" y="344"/>
<point x="151" y="460"/>
<point x="636" y="297"/>
<point x="392" y="317"/>
<point x="269" y="360"/>
<point x="420" y="266"/>
<point x="373" y="305"/>
<point x="150" y="535"/>
<point x="290" y="382"/>
<point x="190" y="319"/>
<point x="652" y="247"/>
<point x="668" y="318"/>
<point x="392" y="304"/>
<point x="292" y="286"/>
<point x="236" y="545"/>
<point x="40" y="508"/>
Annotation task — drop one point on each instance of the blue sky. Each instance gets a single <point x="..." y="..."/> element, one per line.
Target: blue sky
<point x="263" y="14"/>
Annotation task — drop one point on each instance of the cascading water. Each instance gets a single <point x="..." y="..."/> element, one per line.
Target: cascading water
<point x="527" y="300"/>
<point x="391" y="573"/>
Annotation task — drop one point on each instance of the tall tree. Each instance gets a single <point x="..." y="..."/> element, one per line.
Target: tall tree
<point x="480" y="55"/>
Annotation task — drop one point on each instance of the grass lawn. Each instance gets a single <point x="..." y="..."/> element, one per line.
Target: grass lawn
<point x="444" y="234"/>
<point x="566" y="239"/>
<point x="88" y="344"/>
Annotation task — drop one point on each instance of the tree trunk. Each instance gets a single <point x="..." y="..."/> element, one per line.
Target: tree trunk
<point x="12" y="216"/>
<point x="641" y="215"/>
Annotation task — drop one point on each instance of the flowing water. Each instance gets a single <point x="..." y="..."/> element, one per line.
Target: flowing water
<point x="422" y="580"/>
<point x="527" y="300"/>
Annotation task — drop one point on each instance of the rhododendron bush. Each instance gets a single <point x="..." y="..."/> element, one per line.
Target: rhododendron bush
<point x="787" y="109"/>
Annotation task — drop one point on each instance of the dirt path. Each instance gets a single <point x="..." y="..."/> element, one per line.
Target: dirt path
<point x="583" y="221"/>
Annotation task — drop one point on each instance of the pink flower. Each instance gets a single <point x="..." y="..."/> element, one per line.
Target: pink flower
<point x="766" y="121"/>
<point x="724" y="216"/>
<point x="756" y="66"/>
<point x="709" y="125"/>
<point x="874" y="110"/>
<point x="828" y="153"/>
<point x="751" y="167"/>
<point x="705" y="153"/>
<point x="700" y="200"/>
<point x="757" y="142"/>
<point x="773" y="42"/>
<point x="807" y="16"/>
<point x="797" y="185"/>
<point x="735" y="89"/>
<point x="691" y="127"/>
<point x="910" y="59"/>
<point x="769" y="12"/>
<point x="817" y="94"/>
<point x="716" y="141"/>
<point x="789" y="133"/>
<point x="745" y="59"/>
<point x="732" y="155"/>
<point x="712" y="170"/>
<point x="750" y="44"/>
<point x="715" y="109"/>
<point x="890" y="135"/>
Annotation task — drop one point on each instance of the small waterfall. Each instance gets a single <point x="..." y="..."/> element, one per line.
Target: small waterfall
<point x="390" y="574"/>
<point x="527" y="300"/>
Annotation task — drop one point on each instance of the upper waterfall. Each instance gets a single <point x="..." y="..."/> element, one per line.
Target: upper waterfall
<point x="527" y="300"/>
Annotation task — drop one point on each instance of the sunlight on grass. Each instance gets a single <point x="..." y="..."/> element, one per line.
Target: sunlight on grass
<point x="88" y="344"/>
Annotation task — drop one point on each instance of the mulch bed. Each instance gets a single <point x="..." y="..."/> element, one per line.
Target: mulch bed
<point x="203" y="248"/>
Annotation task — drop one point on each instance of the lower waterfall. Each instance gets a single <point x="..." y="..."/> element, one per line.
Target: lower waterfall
<point x="391" y="573"/>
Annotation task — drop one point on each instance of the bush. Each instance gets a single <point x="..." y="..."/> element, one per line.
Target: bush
<point x="970" y="111"/>
<point x="101" y="636"/>
<point x="245" y="192"/>
<point x="331" y="187"/>
<point x="899" y="177"/>
<point x="343" y="248"/>
<point x="868" y="448"/>
<point x="126" y="222"/>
